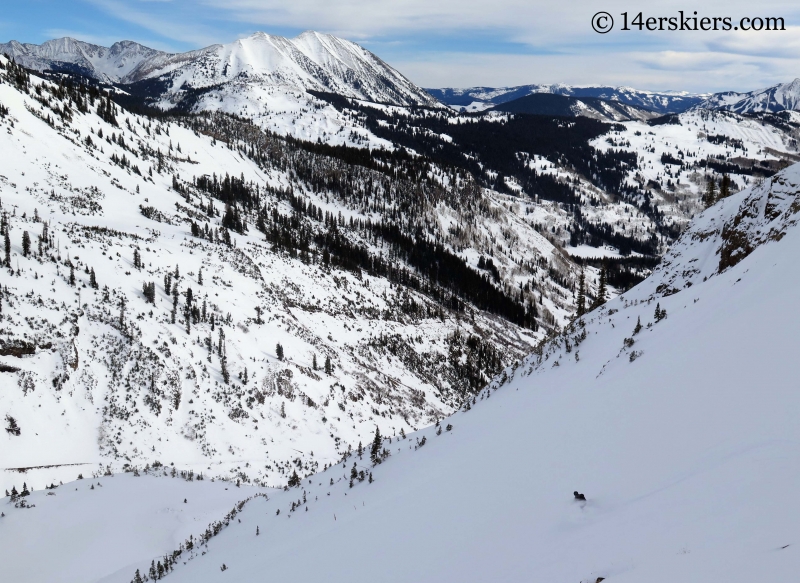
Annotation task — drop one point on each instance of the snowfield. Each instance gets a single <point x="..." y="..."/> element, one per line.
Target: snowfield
<point x="137" y="517"/>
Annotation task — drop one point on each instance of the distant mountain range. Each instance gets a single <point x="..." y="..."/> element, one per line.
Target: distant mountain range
<point x="257" y="72"/>
<point x="562" y="105"/>
<point x="310" y="61"/>
<point x="772" y="99"/>
<point x="661" y="103"/>
<point x="784" y="96"/>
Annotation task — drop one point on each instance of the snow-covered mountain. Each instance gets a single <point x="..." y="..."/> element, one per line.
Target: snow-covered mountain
<point x="310" y="61"/>
<point x="265" y="78"/>
<point x="479" y="98"/>
<point x="671" y="409"/>
<point x="784" y="96"/>
<point x="108" y="65"/>
<point x="200" y="292"/>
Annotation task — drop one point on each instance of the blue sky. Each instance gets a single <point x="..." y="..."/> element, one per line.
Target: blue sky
<point x="454" y="42"/>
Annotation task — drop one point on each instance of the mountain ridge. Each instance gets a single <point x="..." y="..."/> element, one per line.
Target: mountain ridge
<point x="660" y="102"/>
<point x="311" y="60"/>
<point x="773" y="99"/>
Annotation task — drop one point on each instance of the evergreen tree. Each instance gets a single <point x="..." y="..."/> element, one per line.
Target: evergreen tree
<point x="26" y="244"/>
<point x="226" y="376"/>
<point x="294" y="480"/>
<point x="601" y="292"/>
<point x="93" y="279"/>
<point x="314" y="362"/>
<point x="12" y="427"/>
<point x="149" y="290"/>
<point x="710" y="195"/>
<point x="71" y="274"/>
<point x="375" y="450"/>
<point x="7" y="242"/>
<point x="724" y="187"/>
<point x="581" y="296"/>
<point x="638" y="327"/>
<point x="174" y="305"/>
<point x="279" y="351"/>
<point x="122" y="313"/>
<point x="328" y="365"/>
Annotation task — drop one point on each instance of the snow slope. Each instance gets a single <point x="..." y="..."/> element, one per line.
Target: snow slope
<point x="102" y="376"/>
<point x="137" y="517"/>
<point x="684" y="441"/>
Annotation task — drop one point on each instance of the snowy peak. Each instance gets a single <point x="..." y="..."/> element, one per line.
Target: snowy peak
<point x="68" y="54"/>
<point x="772" y="99"/>
<point x="310" y="61"/>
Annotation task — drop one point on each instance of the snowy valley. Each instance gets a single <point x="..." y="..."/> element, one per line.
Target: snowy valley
<point x="671" y="408"/>
<point x="148" y="320"/>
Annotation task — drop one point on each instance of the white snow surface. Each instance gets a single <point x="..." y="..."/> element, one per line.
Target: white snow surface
<point x="138" y="518"/>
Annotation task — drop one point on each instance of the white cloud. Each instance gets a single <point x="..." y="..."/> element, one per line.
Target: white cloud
<point x="165" y="24"/>
<point x="698" y="72"/>
<point x="105" y="40"/>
